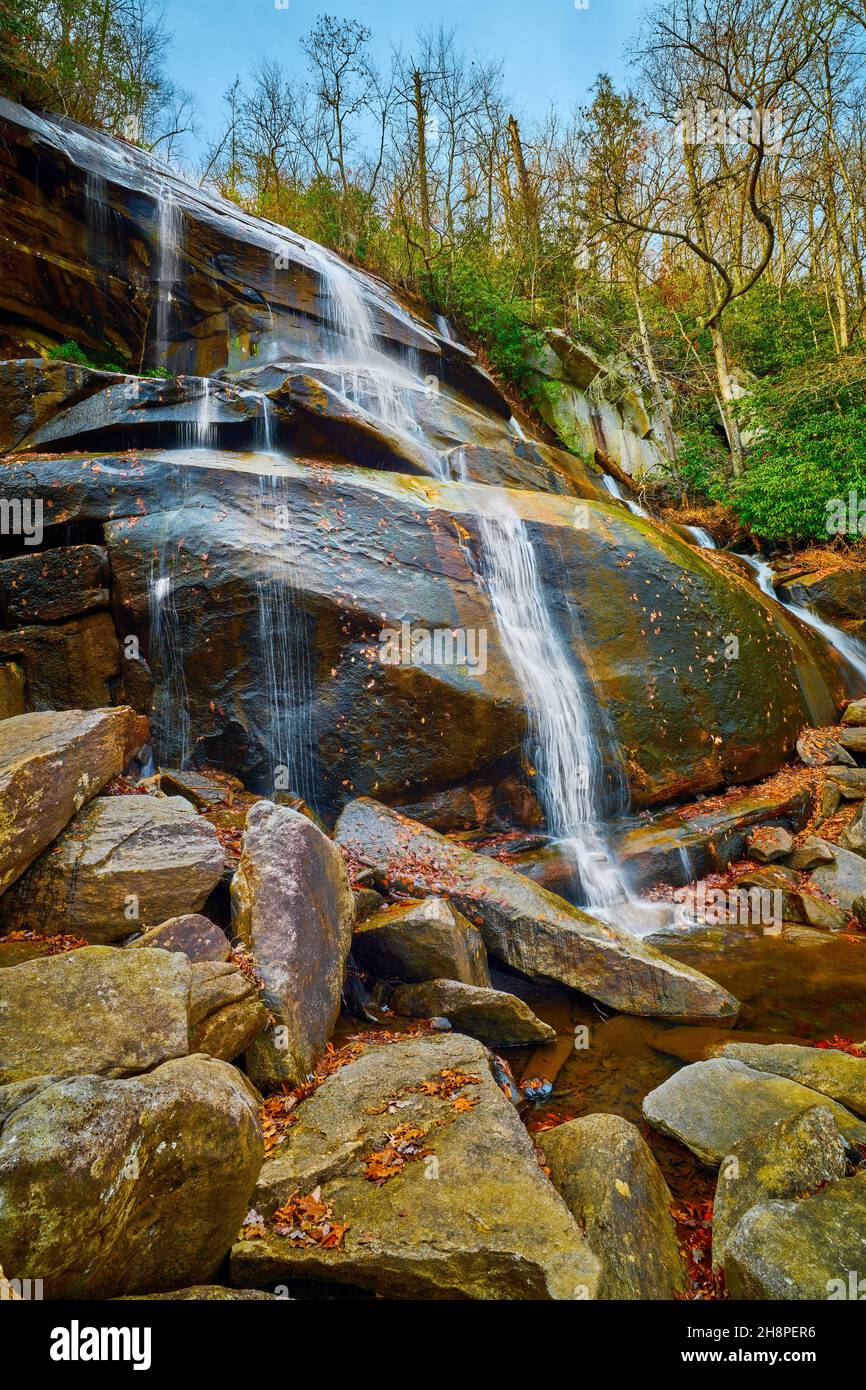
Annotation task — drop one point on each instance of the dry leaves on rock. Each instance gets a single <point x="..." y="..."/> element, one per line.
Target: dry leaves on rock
<point x="309" y="1221"/>
<point x="402" y="1146"/>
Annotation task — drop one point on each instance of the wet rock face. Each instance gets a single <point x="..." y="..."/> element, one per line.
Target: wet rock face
<point x="114" y="1187"/>
<point x="100" y="234"/>
<point x="260" y="601"/>
<point x="421" y="941"/>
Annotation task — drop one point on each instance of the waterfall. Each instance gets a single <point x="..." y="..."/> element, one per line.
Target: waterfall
<point x="516" y="429"/>
<point x="386" y="390"/>
<point x="852" y="652"/>
<point x="167" y="261"/>
<point x="171" y="708"/>
<point x="616" y="491"/>
<point x="564" y="748"/>
<point x="284" y="651"/>
<point x="702" y="537"/>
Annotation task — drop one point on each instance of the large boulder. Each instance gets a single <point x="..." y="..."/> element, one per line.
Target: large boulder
<point x="801" y="1250"/>
<point x="492" y="1015"/>
<point x="123" y="863"/>
<point x="53" y="584"/>
<point x="250" y="552"/>
<point x="614" y="1188"/>
<point x="421" y="941"/>
<point x="293" y="906"/>
<point x="795" y="1157"/>
<point x="712" y="1105"/>
<point x="836" y="1074"/>
<point x="109" y="1012"/>
<point x="69" y="665"/>
<point x="51" y="764"/>
<point x="226" y="1013"/>
<point x="114" y="1187"/>
<point x="844" y="878"/>
<point x="442" y="1197"/>
<point x="100" y="1011"/>
<point x="530" y="929"/>
<point x="196" y="936"/>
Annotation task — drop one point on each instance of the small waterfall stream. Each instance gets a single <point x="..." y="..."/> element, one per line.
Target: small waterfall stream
<point x="564" y="746"/>
<point x="167" y="263"/>
<point x="616" y="491"/>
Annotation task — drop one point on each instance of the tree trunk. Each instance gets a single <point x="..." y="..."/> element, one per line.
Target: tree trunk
<point x="658" y="394"/>
<point x="423" y="187"/>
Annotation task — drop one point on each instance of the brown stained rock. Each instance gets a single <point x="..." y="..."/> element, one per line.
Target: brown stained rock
<point x="427" y="940"/>
<point x="112" y="1187"/>
<point x="123" y="863"/>
<point x="53" y="584"/>
<point x="493" y="1016"/>
<point x="525" y="926"/>
<point x="292" y="905"/>
<point x="196" y="936"/>
<point x="51" y="764"/>
<point x="68" y="665"/>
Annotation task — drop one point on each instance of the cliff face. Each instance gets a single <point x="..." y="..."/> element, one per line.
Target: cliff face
<point x="318" y="469"/>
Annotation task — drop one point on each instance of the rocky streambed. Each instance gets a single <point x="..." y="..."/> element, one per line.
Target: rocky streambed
<point x="421" y="873"/>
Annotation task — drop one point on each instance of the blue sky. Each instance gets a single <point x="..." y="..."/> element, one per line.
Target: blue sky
<point x="551" y="50"/>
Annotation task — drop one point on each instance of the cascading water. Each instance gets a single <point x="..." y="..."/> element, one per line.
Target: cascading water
<point x="616" y="491"/>
<point x="702" y="537"/>
<point x="565" y="751"/>
<point x="852" y="652"/>
<point x="171" y="711"/>
<point x="169" y="234"/>
<point x="284" y="650"/>
<point x="385" y="389"/>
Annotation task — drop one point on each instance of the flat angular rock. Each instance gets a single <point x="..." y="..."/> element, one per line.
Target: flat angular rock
<point x="123" y="863"/>
<point x="853" y="837"/>
<point x="853" y="740"/>
<point x="475" y="1218"/>
<point x="196" y="936"/>
<point x="201" y="791"/>
<point x="795" y="1157"/>
<point x="68" y="665"/>
<point x="709" y="1106"/>
<point x="855" y="713"/>
<point x="95" y="1010"/>
<point x="226" y="1013"/>
<point x="112" y="1187"/>
<point x="205" y="1293"/>
<point x="809" y="853"/>
<point x="53" y="584"/>
<point x="851" y="781"/>
<point x="51" y="764"/>
<point x="427" y="940"/>
<point x="530" y="929"/>
<point x="815" y="1248"/>
<point x="814" y="911"/>
<point x="614" y="1188"/>
<point x="293" y="906"/>
<point x="766" y="843"/>
<point x="835" y="1074"/>
<point x="496" y="1018"/>
<point x="845" y="878"/>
